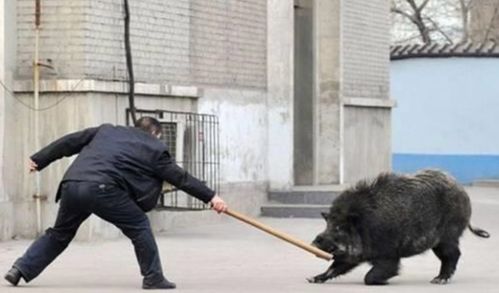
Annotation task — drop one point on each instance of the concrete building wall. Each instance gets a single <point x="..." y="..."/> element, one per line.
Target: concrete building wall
<point x="367" y="141"/>
<point x="218" y="43"/>
<point x="365" y="89"/>
<point x="236" y="59"/>
<point x="229" y="43"/>
<point x="365" y="47"/>
<point x="215" y="49"/>
<point x="350" y="86"/>
<point x="280" y="94"/>
<point x="4" y="208"/>
<point x="446" y="116"/>
<point x="243" y="132"/>
<point x="328" y="119"/>
<point x="7" y="66"/>
<point x="62" y="38"/>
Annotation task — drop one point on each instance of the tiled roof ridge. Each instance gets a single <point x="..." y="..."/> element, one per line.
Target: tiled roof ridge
<point x="466" y="49"/>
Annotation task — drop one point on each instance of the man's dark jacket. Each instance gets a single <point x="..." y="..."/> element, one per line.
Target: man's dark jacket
<point x="131" y="158"/>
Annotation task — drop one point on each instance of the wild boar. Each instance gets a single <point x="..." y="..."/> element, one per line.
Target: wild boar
<point x="392" y="217"/>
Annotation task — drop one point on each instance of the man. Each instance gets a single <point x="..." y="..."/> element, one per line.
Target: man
<point x="116" y="176"/>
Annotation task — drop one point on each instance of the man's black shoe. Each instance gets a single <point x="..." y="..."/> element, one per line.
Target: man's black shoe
<point x="165" y="284"/>
<point x="13" y="276"/>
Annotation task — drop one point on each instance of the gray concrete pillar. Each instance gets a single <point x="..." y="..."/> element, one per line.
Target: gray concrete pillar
<point x="280" y="93"/>
<point x="328" y="111"/>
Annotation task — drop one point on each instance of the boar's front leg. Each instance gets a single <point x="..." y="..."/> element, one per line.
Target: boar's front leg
<point x="338" y="267"/>
<point x="382" y="270"/>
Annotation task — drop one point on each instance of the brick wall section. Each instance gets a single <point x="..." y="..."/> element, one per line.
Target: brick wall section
<point x="365" y="51"/>
<point x="62" y="38"/>
<point x="229" y="41"/>
<point x="160" y="40"/>
<point x="186" y="42"/>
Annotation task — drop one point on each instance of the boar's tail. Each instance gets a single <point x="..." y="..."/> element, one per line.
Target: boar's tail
<point x="479" y="232"/>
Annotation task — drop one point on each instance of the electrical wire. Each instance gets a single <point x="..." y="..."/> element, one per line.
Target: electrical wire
<point x="129" y="62"/>
<point x="11" y="93"/>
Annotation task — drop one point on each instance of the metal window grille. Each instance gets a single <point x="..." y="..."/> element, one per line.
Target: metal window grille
<point x="193" y="140"/>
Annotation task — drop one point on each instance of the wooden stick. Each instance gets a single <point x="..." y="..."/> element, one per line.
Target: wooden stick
<point x="314" y="250"/>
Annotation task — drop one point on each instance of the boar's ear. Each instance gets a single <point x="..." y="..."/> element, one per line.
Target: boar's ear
<point x="324" y="215"/>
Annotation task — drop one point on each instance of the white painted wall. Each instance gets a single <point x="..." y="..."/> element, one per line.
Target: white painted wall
<point x="446" y="105"/>
<point x="243" y="132"/>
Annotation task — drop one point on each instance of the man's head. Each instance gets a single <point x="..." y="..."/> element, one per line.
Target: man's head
<point x="149" y="125"/>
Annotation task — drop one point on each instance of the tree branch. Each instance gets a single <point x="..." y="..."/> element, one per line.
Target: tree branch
<point x="403" y="13"/>
<point x="467" y="5"/>
<point x="423" y="5"/>
<point x="465" y="10"/>
<point x="413" y="5"/>
<point x="416" y="18"/>
<point x="402" y="41"/>
<point x="490" y="25"/>
<point x="437" y="28"/>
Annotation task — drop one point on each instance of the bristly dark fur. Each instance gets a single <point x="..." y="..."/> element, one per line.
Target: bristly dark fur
<point x="396" y="216"/>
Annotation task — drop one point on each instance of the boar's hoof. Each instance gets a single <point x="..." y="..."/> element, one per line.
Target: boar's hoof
<point x="376" y="282"/>
<point x="317" y="279"/>
<point x="440" y="280"/>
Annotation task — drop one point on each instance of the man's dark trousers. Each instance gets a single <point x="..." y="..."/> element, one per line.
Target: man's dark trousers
<point x="80" y="199"/>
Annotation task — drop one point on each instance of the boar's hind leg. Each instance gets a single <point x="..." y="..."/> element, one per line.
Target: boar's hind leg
<point x="337" y="268"/>
<point x="381" y="271"/>
<point x="448" y="253"/>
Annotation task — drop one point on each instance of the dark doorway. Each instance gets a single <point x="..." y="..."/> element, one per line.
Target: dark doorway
<point x="303" y="92"/>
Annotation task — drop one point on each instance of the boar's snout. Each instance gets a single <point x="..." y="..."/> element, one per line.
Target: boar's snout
<point x="323" y="243"/>
<point x="318" y="241"/>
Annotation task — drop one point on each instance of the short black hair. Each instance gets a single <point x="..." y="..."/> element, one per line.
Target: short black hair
<point x="149" y="124"/>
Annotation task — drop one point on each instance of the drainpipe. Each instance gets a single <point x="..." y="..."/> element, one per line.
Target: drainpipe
<point x="36" y="91"/>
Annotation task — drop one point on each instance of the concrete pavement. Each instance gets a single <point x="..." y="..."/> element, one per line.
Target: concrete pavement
<point x="233" y="257"/>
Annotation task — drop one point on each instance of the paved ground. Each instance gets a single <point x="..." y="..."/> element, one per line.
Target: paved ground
<point x="234" y="257"/>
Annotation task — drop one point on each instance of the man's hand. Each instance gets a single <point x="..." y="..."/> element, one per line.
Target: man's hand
<point x="32" y="166"/>
<point x="218" y="204"/>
